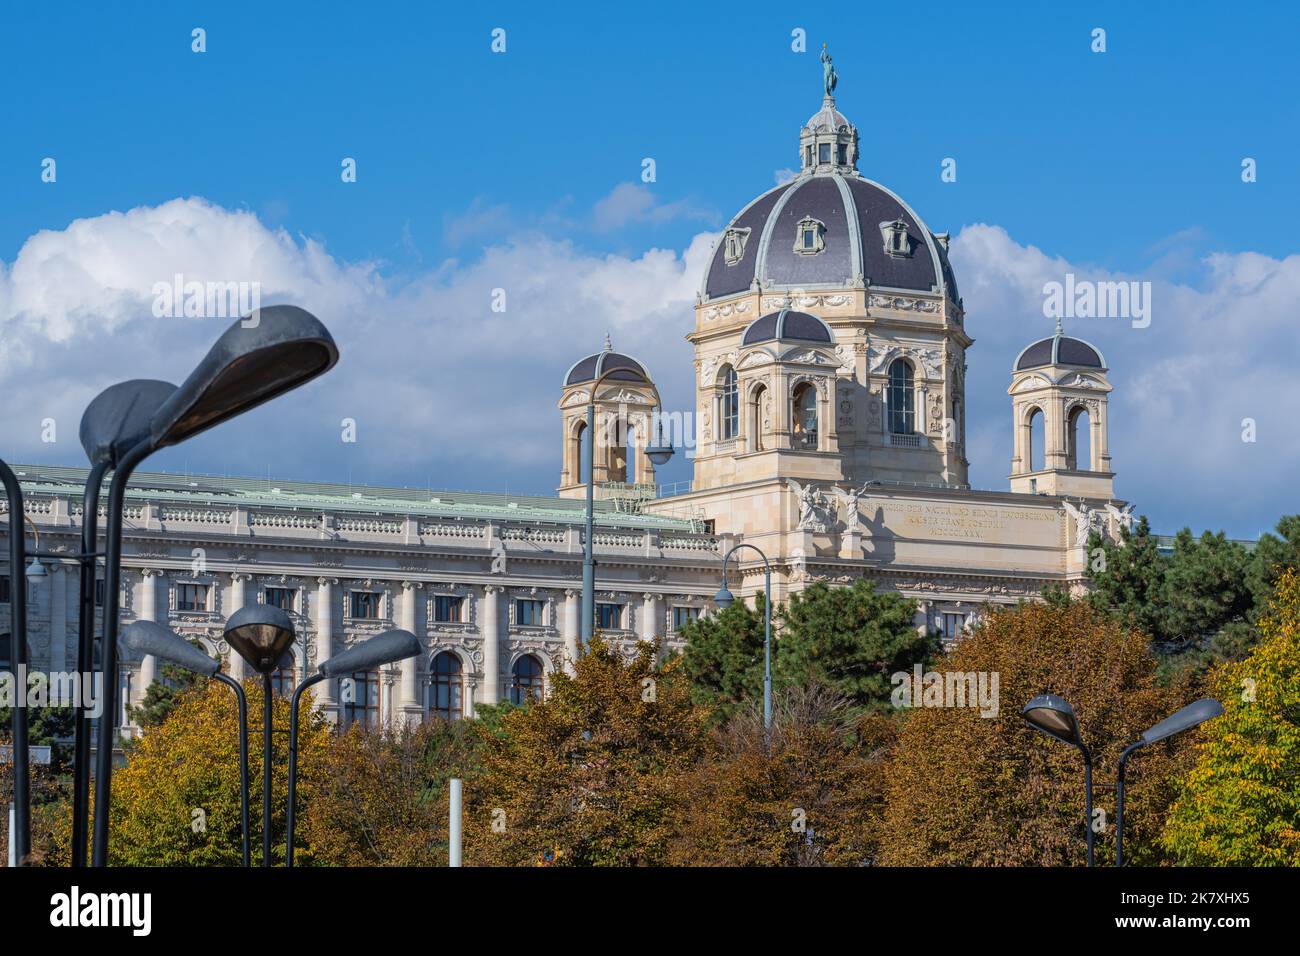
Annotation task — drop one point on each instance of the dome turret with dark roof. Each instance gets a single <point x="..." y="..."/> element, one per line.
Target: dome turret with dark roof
<point x="621" y="368"/>
<point x="1060" y="349"/>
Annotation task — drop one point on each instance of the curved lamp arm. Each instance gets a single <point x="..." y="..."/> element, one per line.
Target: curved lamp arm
<point x="242" y="700"/>
<point x="293" y="762"/>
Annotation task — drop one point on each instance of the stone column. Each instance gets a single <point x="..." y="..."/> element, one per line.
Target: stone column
<point x="410" y="707"/>
<point x="325" y="699"/>
<point x="238" y="598"/>
<point x="58" y="618"/>
<point x="572" y="627"/>
<point x="490" y="628"/>
<point x="148" y="612"/>
<point x="649" y="617"/>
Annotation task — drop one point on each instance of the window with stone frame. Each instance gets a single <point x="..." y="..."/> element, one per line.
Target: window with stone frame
<point x="684" y="614"/>
<point x="609" y="617"/>
<point x="192" y="597"/>
<point x="527" y="680"/>
<point x="448" y="608"/>
<point x="364" y="605"/>
<point x="530" y="612"/>
<point x="360" y="697"/>
<point x="283" y="598"/>
<point x="446" y="686"/>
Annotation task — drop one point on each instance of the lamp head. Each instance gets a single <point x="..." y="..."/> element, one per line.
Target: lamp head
<point x="265" y="354"/>
<point x="151" y="638"/>
<point x="724" y="598"/>
<point x="659" y="454"/>
<point x="391" y="645"/>
<point x="118" y="418"/>
<point x="260" y="634"/>
<point x="1199" y="712"/>
<point x="1055" y="717"/>
<point x="36" y="572"/>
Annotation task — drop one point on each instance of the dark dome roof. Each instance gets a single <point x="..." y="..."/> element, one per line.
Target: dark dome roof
<point x="621" y="368"/>
<point x="787" y="324"/>
<point x="852" y="210"/>
<point x="1059" y="350"/>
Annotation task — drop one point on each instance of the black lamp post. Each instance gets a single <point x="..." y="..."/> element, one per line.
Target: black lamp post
<point x="1054" y="716"/>
<point x="385" y="648"/>
<point x="152" y="638"/>
<point x="261" y="356"/>
<point x="22" y="835"/>
<point x="116" y="421"/>
<point x="1188" y="717"/>
<point x="724" y="599"/>
<point x="261" y="634"/>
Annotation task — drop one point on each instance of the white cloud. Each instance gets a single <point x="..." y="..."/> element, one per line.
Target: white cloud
<point x="630" y="203"/>
<point x="441" y="386"/>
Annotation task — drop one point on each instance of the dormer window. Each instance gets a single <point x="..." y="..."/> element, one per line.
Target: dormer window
<point x="810" y="238"/>
<point x="823" y="152"/>
<point x="895" y="235"/>
<point x="733" y="245"/>
<point x="842" y="154"/>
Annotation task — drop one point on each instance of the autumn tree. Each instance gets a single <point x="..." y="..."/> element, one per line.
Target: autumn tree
<point x="810" y="793"/>
<point x="379" y="798"/>
<point x="970" y="790"/>
<point x="176" y="802"/>
<point x="585" y="777"/>
<point x="851" y="639"/>
<point x="1240" y="805"/>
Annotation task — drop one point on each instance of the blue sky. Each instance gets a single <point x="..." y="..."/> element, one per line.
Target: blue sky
<point x="1127" y="162"/>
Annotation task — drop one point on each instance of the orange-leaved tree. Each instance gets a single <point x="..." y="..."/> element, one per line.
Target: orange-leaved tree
<point x="966" y="789"/>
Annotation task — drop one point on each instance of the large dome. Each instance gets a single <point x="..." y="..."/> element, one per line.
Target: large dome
<point x="851" y="217"/>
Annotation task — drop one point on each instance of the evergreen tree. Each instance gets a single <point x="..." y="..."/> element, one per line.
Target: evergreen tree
<point x="723" y="658"/>
<point x="851" y="639"/>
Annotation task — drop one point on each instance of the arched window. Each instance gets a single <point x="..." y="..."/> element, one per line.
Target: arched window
<point x="1078" y="424"/>
<point x="580" y="450"/>
<point x="756" y="418"/>
<point x="728" y="405"/>
<point x="902" y="398"/>
<point x="445" y="687"/>
<point x="804" y="401"/>
<point x="1035" y="453"/>
<point x="526" y="681"/>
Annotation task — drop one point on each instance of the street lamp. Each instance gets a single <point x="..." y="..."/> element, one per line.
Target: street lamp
<point x="21" y="834"/>
<point x="1054" y="716"/>
<point x="1188" y="717"/>
<point x="113" y="423"/>
<point x="261" y="634"/>
<point x="724" y="598"/>
<point x="157" y="640"/>
<point x="261" y="356"/>
<point x="658" y="453"/>
<point x="385" y="648"/>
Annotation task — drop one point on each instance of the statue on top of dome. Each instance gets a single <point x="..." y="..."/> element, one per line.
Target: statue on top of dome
<point x="829" y="76"/>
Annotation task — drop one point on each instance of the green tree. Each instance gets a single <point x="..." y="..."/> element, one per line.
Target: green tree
<point x="1129" y="577"/>
<point x="161" y="695"/>
<point x="1204" y="588"/>
<point x="1240" y="805"/>
<point x="1273" y="554"/>
<point x="723" y="659"/>
<point x="851" y="639"/>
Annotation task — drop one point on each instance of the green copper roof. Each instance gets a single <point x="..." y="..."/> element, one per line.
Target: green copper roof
<point x="324" y="496"/>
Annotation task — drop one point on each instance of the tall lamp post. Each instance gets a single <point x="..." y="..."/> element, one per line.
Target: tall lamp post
<point x="152" y="638"/>
<point x="1188" y="717"/>
<point x="1054" y="716"/>
<point x="724" y="599"/>
<point x="22" y="835"/>
<point x="261" y="634"/>
<point x="658" y="453"/>
<point x="260" y="357"/>
<point x="385" y="648"/>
